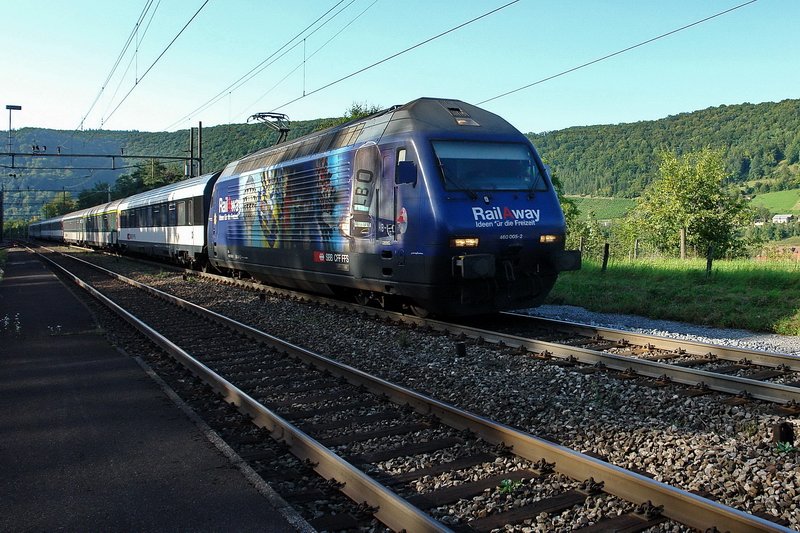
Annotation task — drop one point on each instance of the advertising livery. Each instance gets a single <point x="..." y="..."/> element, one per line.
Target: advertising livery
<point x="436" y="206"/>
<point x="437" y="202"/>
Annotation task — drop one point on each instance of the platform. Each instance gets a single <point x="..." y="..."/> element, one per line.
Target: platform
<point x="88" y="442"/>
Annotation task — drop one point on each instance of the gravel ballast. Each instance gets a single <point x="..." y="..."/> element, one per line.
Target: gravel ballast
<point x="695" y="443"/>
<point x="677" y="330"/>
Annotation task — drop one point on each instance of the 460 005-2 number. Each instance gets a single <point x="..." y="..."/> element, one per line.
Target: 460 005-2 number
<point x="510" y="236"/>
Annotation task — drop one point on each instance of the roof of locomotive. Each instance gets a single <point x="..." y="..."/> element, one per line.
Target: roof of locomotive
<point x="420" y="115"/>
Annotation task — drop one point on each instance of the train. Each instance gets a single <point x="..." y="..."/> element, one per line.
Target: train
<point x="437" y="206"/>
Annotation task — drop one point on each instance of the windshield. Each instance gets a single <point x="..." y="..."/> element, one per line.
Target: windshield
<point x="488" y="166"/>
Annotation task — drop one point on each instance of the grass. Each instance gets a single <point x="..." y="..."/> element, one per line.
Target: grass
<point x="780" y="202"/>
<point x="753" y="295"/>
<point x="604" y="208"/>
<point x="790" y="241"/>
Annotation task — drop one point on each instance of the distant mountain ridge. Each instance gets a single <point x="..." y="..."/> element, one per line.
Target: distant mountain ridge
<point x="221" y="144"/>
<point x="761" y="142"/>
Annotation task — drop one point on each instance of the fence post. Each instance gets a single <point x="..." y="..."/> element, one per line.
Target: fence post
<point x="580" y="245"/>
<point x="709" y="259"/>
<point x="683" y="243"/>
<point x="605" y="257"/>
<point x="636" y="249"/>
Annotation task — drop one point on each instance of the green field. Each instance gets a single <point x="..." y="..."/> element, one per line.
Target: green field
<point x="781" y="202"/>
<point x="791" y="241"/>
<point x="603" y="208"/>
<point x="748" y="294"/>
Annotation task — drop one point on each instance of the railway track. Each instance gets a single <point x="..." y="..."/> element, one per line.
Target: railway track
<point x="657" y="348"/>
<point x="369" y="434"/>
<point x="745" y="374"/>
<point x="703" y="367"/>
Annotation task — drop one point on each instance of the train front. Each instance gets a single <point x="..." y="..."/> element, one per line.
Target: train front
<point x="496" y="232"/>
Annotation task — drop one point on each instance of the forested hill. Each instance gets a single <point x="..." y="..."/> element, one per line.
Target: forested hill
<point x="761" y="142"/>
<point x="221" y="144"/>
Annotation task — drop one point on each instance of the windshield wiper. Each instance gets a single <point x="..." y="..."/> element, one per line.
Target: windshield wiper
<point x="532" y="189"/>
<point x="472" y="194"/>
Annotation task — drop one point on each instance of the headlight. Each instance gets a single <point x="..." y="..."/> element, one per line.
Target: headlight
<point x="464" y="242"/>
<point x="546" y="239"/>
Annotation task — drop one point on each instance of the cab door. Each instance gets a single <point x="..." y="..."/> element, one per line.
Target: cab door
<point x="396" y="188"/>
<point x="363" y="227"/>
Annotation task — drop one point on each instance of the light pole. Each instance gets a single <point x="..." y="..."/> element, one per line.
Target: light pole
<point x="10" y="109"/>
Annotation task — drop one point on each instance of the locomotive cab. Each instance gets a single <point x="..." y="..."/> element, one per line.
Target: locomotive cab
<point x="491" y="234"/>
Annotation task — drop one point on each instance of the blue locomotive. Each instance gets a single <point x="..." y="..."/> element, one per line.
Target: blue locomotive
<point x="437" y="205"/>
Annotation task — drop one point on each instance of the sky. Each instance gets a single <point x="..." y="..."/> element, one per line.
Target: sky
<point x="57" y="57"/>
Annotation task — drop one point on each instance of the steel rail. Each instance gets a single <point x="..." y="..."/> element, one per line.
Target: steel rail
<point x="731" y="353"/>
<point x="392" y="510"/>
<point x="772" y="392"/>
<point x="679" y="505"/>
<point x="762" y="390"/>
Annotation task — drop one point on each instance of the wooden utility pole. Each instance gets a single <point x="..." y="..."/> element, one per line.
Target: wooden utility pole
<point x="605" y="258"/>
<point x="683" y="243"/>
<point x="709" y="259"/>
<point x="2" y="214"/>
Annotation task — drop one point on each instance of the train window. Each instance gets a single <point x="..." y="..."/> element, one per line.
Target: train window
<point x="198" y="211"/>
<point x="488" y="166"/>
<point x="172" y="215"/>
<point x="405" y="171"/>
<point x="181" y="211"/>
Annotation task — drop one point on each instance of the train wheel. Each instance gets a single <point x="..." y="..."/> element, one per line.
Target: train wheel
<point x="361" y="298"/>
<point x="421" y="312"/>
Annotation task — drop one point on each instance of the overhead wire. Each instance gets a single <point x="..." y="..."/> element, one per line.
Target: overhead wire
<point x="309" y="57"/>
<point x="133" y="56"/>
<point x="618" y="52"/>
<point x="132" y="35"/>
<point x="388" y="58"/>
<point x="139" y="80"/>
<point x="38" y="169"/>
<point x="239" y="82"/>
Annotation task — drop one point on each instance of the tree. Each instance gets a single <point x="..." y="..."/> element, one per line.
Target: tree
<point x="568" y="205"/>
<point x="154" y="174"/>
<point x="356" y="110"/>
<point x="127" y="185"/>
<point x="97" y="195"/>
<point x="60" y="205"/>
<point x="146" y="176"/>
<point x="690" y="194"/>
